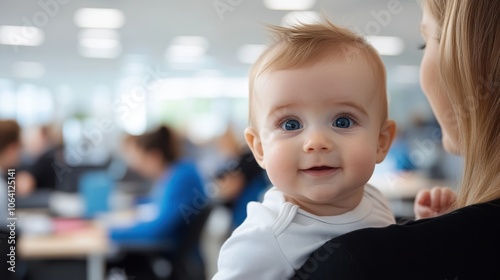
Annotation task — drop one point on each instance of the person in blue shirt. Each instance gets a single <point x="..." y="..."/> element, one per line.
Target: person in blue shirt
<point x="176" y="197"/>
<point x="162" y="224"/>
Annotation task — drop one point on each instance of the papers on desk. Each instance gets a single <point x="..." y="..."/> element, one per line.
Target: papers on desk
<point x="67" y="205"/>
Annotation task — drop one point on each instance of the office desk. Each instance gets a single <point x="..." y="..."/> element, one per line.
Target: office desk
<point x="89" y="242"/>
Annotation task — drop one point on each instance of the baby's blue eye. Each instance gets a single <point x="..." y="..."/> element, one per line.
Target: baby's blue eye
<point x="291" y="125"/>
<point x="343" y="122"/>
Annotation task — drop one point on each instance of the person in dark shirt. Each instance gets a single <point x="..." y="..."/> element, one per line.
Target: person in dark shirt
<point x="241" y="180"/>
<point x="44" y="172"/>
<point x="241" y="183"/>
<point x="460" y="74"/>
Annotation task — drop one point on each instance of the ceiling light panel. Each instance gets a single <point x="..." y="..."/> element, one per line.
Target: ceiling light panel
<point x="99" y="18"/>
<point x="289" y="4"/>
<point x="21" y="35"/>
<point x="99" y="43"/>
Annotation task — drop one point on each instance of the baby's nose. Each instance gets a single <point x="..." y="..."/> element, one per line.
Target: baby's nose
<point x="318" y="141"/>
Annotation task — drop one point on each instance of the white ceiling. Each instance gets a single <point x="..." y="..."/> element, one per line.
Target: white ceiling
<point x="151" y="24"/>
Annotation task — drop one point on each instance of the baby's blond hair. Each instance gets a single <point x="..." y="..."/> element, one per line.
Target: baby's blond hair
<point x="305" y="44"/>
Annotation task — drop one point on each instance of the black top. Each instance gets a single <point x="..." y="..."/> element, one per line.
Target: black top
<point x="464" y="244"/>
<point x="48" y="169"/>
<point x="246" y="164"/>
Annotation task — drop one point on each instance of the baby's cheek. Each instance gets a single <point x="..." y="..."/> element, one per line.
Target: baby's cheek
<point x="362" y="162"/>
<point x="278" y="164"/>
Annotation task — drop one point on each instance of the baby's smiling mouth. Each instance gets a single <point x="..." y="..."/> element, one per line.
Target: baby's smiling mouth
<point x="319" y="170"/>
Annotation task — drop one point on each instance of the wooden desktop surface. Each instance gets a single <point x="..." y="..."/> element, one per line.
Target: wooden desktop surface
<point x="89" y="240"/>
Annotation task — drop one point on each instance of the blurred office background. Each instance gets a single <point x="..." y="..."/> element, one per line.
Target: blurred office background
<point x="94" y="71"/>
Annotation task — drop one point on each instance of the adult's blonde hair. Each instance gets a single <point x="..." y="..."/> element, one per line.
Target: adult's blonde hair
<point x="469" y="69"/>
<point x="302" y="45"/>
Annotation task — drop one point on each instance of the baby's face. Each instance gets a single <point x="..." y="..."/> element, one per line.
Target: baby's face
<point x="319" y="129"/>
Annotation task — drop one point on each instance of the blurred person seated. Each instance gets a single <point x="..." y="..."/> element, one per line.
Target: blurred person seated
<point x="45" y="150"/>
<point x="174" y="201"/>
<point x="240" y="180"/>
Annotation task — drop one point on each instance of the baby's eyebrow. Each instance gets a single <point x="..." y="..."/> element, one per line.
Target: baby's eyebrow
<point x="282" y="107"/>
<point x="356" y="106"/>
<point x="277" y="110"/>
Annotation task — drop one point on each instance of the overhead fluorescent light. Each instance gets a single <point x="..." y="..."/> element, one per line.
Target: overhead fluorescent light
<point x="250" y="52"/>
<point x="28" y="69"/>
<point x="387" y="45"/>
<point x="303" y="17"/>
<point x="21" y="35"/>
<point x="99" y="18"/>
<point x="289" y="4"/>
<point x="187" y="49"/>
<point x="99" y="43"/>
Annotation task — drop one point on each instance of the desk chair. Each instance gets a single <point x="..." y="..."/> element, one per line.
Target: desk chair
<point x="158" y="261"/>
<point x="188" y="263"/>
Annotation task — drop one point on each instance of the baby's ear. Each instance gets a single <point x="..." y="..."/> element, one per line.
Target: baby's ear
<point x="253" y="141"/>
<point x="385" y="138"/>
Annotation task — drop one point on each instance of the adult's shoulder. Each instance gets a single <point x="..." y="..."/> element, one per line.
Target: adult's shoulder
<point x="463" y="244"/>
<point x="467" y="222"/>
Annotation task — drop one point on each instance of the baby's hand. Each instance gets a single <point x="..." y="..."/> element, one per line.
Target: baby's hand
<point x="433" y="202"/>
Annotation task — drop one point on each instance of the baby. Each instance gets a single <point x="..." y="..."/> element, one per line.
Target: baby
<point x="318" y="125"/>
